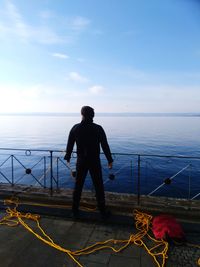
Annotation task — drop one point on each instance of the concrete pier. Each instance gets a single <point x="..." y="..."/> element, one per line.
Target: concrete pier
<point x="20" y="248"/>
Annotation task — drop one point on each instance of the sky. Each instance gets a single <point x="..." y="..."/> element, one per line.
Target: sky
<point x="113" y="55"/>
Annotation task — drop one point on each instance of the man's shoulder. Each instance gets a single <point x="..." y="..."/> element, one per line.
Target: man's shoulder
<point x="80" y="125"/>
<point x="75" y="126"/>
<point x="99" y="129"/>
<point x="97" y="126"/>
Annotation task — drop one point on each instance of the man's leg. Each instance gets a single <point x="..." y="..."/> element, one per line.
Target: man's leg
<point x="81" y="172"/>
<point x="96" y="174"/>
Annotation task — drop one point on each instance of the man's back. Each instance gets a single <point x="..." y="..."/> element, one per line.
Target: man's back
<point x="88" y="136"/>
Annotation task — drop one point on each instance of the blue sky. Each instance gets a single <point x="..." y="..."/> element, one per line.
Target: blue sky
<point x="117" y="56"/>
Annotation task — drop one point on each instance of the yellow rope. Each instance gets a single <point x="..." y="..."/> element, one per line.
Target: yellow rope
<point x="143" y="222"/>
<point x="13" y="213"/>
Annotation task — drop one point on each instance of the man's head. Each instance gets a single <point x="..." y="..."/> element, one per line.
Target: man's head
<point x="87" y="112"/>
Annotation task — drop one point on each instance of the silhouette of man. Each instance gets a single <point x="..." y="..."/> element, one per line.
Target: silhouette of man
<point x="88" y="137"/>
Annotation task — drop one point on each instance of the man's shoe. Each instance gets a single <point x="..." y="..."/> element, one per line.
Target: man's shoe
<point x="75" y="214"/>
<point x="105" y="214"/>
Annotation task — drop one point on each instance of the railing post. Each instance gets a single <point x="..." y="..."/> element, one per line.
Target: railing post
<point x="189" y="189"/>
<point x="57" y="173"/>
<point x="138" y="182"/>
<point x="45" y="176"/>
<point x="12" y="166"/>
<point x="132" y="173"/>
<point x="51" y="172"/>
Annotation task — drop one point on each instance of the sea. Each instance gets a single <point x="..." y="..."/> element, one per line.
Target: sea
<point x="154" y="154"/>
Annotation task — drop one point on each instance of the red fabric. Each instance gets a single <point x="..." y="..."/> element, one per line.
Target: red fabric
<point x="164" y="226"/>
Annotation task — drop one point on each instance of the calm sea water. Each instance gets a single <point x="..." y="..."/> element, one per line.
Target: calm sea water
<point x="160" y="135"/>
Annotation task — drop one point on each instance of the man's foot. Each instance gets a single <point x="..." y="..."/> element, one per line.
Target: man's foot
<point x="75" y="214"/>
<point x="105" y="214"/>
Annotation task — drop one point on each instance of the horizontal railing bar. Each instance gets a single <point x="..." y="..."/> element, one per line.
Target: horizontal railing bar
<point x="155" y="155"/>
<point x="27" y="149"/>
<point x="114" y="153"/>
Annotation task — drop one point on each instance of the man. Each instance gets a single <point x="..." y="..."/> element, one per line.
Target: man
<point x="88" y="137"/>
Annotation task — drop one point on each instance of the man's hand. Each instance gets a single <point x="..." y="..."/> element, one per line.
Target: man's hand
<point x="110" y="165"/>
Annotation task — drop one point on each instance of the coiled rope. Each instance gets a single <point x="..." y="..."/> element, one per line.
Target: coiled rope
<point x="143" y="224"/>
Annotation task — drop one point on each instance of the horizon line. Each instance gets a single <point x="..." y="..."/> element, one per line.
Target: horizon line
<point x="181" y="114"/>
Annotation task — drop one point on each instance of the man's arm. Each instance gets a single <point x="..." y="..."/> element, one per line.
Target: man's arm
<point x="106" y="148"/>
<point x="70" y="145"/>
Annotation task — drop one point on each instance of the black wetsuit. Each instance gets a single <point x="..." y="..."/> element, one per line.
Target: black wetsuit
<point x="88" y="137"/>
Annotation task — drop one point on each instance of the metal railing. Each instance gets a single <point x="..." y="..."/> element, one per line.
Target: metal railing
<point x="140" y="174"/>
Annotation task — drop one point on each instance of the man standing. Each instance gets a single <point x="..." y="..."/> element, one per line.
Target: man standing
<point x="88" y="137"/>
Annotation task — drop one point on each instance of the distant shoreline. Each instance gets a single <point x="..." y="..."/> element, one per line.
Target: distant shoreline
<point x="105" y="114"/>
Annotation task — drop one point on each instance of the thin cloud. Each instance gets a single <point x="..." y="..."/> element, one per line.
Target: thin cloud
<point x="19" y="98"/>
<point x="13" y="24"/>
<point x="45" y="35"/>
<point x="76" y="77"/>
<point x="79" y="23"/>
<point x="60" y="55"/>
<point x="16" y="21"/>
<point x="46" y="14"/>
<point x="96" y="89"/>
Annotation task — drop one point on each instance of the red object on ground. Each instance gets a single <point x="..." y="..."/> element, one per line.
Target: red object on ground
<point x="166" y="226"/>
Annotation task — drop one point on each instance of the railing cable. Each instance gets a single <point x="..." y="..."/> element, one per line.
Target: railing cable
<point x="171" y="178"/>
